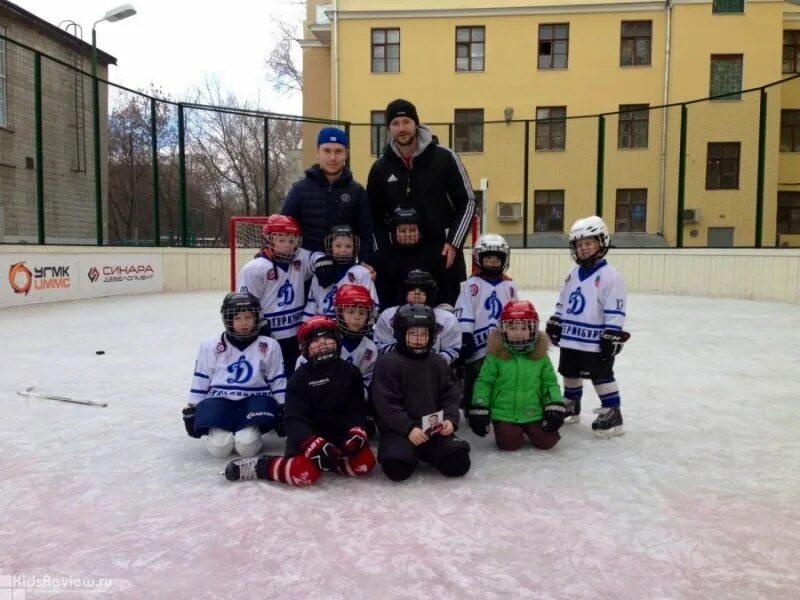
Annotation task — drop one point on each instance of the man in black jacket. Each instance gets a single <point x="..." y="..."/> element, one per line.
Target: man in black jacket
<point x="328" y="196"/>
<point x="415" y="170"/>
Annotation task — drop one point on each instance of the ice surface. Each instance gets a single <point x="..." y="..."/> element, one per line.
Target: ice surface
<point x="700" y="498"/>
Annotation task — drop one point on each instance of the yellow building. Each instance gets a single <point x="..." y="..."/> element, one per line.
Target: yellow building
<point x="492" y="75"/>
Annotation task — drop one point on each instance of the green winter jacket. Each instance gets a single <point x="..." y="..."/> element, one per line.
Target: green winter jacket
<point x="516" y="386"/>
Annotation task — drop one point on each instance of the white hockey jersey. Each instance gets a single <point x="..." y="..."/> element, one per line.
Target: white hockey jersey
<point x="222" y="370"/>
<point x="320" y="299"/>
<point x="361" y="352"/>
<point x="280" y="288"/>
<point x="479" y="306"/>
<point x="448" y="334"/>
<point x="590" y="301"/>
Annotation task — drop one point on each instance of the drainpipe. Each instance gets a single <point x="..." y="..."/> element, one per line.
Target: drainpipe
<point x="665" y="119"/>
<point x="336" y="59"/>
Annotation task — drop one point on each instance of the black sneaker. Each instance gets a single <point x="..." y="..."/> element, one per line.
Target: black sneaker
<point x="247" y="468"/>
<point x="608" y="422"/>
<point x="573" y="411"/>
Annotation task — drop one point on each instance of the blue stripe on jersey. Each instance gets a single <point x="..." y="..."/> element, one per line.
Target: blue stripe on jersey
<point x="579" y="324"/>
<point x="196" y="374"/>
<point x="281" y="376"/>
<point x="614" y="312"/>
<point x="284" y="312"/>
<point x="617" y="327"/>
<point x="465" y="320"/>
<point x="194" y="391"/>
<point x="240" y="388"/>
<point x="577" y="339"/>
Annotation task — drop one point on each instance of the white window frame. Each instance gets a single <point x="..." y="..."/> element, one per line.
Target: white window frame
<point x="3" y="80"/>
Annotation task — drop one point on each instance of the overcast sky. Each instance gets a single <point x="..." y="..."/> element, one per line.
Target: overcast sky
<point x="176" y="44"/>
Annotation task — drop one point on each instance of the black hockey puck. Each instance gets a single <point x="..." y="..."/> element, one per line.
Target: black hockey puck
<point x="100" y="352"/>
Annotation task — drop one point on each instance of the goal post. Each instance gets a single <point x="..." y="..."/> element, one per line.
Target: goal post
<point x="245" y="239"/>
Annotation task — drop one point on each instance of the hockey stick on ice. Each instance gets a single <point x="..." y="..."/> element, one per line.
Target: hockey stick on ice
<point x="29" y="393"/>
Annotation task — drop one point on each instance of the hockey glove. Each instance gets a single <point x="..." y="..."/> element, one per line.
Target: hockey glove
<point x="356" y="440"/>
<point x="322" y="453"/>
<point x="325" y="270"/>
<point x="467" y="346"/>
<point x="553" y="417"/>
<point x="611" y="342"/>
<point x="553" y="329"/>
<point x="479" y="420"/>
<point x="188" y="420"/>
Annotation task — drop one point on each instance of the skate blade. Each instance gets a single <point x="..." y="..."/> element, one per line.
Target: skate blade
<point x="610" y="433"/>
<point x="572" y="420"/>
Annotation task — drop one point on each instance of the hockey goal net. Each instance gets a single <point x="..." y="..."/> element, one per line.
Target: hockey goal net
<point x="244" y="234"/>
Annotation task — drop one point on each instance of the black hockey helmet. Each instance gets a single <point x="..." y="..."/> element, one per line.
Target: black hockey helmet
<point x="405" y="215"/>
<point x="422" y="280"/>
<point x="414" y="315"/>
<point x="338" y="231"/>
<point x="238" y="302"/>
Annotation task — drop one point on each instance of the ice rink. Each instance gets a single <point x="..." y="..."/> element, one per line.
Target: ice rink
<point x="700" y="498"/>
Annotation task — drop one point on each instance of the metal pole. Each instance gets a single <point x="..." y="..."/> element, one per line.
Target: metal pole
<point x="266" y="166"/>
<point x="682" y="175"/>
<point x="762" y="150"/>
<point x="154" y="158"/>
<point x="98" y="184"/>
<point x="37" y="74"/>
<point x="182" y="177"/>
<point x="601" y="153"/>
<point x="525" y="182"/>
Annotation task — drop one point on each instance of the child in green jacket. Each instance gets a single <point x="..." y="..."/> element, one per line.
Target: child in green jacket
<point x="517" y="390"/>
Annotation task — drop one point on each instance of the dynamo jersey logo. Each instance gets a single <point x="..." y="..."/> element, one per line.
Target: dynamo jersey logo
<point x="493" y="306"/>
<point x="286" y="294"/>
<point x="576" y="303"/>
<point x="241" y="370"/>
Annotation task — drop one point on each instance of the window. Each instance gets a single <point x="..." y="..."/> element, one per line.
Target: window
<point x="791" y="50"/>
<point x="790" y="131"/>
<point x="789" y="212"/>
<point x="633" y="124"/>
<point x="553" y="46"/>
<point x="385" y="50"/>
<point x="726" y="75"/>
<point x="3" y="86"/>
<point x="722" y="166"/>
<point x="727" y="6"/>
<point x="635" y="43"/>
<point x="377" y="126"/>
<point x="548" y="211"/>
<point x="469" y="130"/>
<point x="631" y="211"/>
<point x="551" y="127"/>
<point x="470" y="48"/>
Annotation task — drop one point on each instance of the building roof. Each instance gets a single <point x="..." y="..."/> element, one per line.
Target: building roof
<point x="55" y="33"/>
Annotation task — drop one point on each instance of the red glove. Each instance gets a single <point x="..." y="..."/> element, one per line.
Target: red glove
<point x="356" y="440"/>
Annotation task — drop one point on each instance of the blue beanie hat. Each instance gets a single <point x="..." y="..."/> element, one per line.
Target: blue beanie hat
<point x="332" y="135"/>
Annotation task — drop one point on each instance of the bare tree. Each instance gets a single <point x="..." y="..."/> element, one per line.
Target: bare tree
<point x="282" y="69"/>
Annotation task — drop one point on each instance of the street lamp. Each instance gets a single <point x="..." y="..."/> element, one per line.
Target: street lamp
<point x="112" y="16"/>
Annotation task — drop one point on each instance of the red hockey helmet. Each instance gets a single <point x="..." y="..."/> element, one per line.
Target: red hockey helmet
<point x="282" y="237"/>
<point x="354" y="296"/>
<point x="315" y="328"/>
<point x="519" y="324"/>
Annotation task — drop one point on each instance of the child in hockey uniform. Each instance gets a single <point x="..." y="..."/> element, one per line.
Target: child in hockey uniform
<point x="410" y="383"/>
<point x="277" y="278"/>
<point x="325" y="417"/>
<point x="419" y="287"/>
<point x="336" y="269"/>
<point x="239" y="383"/>
<point x="517" y="389"/>
<point x="480" y="303"/>
<point x="405" y="253"/>
<point x="588" y="325"/>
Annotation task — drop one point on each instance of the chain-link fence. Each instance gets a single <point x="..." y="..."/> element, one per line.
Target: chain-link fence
<point x="719" y="172"/>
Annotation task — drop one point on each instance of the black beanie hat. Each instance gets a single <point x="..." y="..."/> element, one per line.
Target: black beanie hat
<point x="401" y="108"/>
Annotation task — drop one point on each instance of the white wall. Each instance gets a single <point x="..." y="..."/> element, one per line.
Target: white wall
<point x="772" y="274"/>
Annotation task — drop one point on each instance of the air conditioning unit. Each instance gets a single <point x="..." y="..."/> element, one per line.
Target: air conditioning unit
<point x="509" y="211"/>
<point x="691" y="215"/>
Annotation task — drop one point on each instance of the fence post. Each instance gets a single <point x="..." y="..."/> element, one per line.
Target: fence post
<point x="266" y="166"/>
<point x="154" y="158"/>
<point x="601" y="153"/>
<point x="525" y="182"/>
<point x="762" y="149"/>
<point x="37" y="102"/>
<point x="98" y="183"/>
<point x="182" y="177"/>
<point x="681" y="176"/>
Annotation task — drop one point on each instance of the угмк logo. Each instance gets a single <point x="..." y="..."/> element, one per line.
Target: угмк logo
<point x="94" y="274"/>
<point x="20" y="278"/>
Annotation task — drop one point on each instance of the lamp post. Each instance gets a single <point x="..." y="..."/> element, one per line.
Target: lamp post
<point x="112" y="16"/>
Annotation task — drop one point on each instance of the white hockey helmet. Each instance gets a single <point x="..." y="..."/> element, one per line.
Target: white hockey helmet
<point x="491" y="244"/>
<point x="590" y="227"/>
